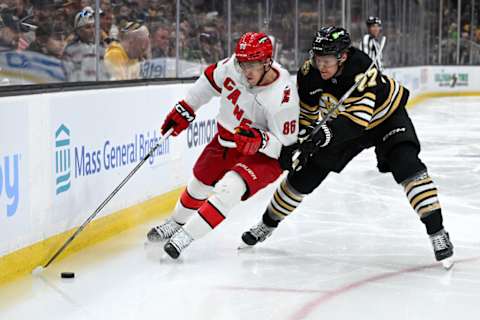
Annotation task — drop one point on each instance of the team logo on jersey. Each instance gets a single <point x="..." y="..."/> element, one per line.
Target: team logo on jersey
<point x="243" y="46"/>
<point x="286" y="95"/>
<point x="327" y="102"/>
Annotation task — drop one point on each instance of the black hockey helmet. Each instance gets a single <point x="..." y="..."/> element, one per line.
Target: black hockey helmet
<point x="331" y="41"/>
<point x="373" y="20"/>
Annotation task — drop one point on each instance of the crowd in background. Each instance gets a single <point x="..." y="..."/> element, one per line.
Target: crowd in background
<point x="138" y="37"/>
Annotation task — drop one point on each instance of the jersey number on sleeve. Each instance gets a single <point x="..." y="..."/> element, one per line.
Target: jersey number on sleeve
<point x="368" y="81"/>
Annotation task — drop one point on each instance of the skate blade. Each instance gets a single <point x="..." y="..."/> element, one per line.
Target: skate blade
<point x="447" y="263"/>
<point x="244" y="246"/>
<point x="154" y="244"/>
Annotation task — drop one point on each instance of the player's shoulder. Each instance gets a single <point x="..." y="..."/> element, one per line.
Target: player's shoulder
<point x="306" y="70"/>
<point x="357" y="62"/>
<point x="220" y="70"/>
<point x="283" y="75"/>
<point x="225" y="65"/>
<point x="282" y="92"/>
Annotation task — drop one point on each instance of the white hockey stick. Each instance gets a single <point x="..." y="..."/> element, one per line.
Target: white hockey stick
<point x="336" y="106"/>
<point x="39" y="269"/>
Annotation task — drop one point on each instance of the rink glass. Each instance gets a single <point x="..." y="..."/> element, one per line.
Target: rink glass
<point x="187" y="36"/>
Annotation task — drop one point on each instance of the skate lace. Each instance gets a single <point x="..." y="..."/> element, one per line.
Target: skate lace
<point x="181" y="239"/>
<point x="168" y="228"/>
<point x="261" y="231"/>
<point x="440" y="242"/>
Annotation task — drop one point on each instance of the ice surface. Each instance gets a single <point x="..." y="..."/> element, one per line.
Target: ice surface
<point x="353" y="250"/>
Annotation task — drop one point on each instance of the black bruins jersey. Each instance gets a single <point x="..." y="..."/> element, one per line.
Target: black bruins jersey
<point x="374" y="100"/>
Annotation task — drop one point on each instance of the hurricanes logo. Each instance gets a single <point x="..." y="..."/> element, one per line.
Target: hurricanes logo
<point x="327" y="101"/>
<point x="243" y="46"/>
<point x="286" y="95"/>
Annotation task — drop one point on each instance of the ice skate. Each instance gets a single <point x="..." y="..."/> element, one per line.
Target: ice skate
<point x="443" y="248"/>
<point x="179" y="241"/>
<point x="164" y="231"/>
<point x="257" y="233"/>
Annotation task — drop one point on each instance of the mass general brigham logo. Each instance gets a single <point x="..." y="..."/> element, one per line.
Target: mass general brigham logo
<point x="62" y="159"/>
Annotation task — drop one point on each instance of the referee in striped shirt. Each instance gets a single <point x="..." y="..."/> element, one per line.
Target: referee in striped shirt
<point x="371" y="41"/>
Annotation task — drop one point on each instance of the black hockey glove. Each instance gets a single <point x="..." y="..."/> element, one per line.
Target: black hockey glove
<point x="310" y="145"/>
<point x="286" y="156"/>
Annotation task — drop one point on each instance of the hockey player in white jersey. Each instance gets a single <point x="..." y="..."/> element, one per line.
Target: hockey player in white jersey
<point x="259" y="111"/>
<point x="371" y="41"/>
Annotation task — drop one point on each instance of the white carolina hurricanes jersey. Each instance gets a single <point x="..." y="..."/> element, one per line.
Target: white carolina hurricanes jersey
<point x="273" y="108"/>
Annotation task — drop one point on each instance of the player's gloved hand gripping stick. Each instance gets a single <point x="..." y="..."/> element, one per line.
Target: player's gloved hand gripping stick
<point x="299" y="159"/>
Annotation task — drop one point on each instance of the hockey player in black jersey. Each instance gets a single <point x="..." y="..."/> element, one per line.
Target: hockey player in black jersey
<point x="373" y="116"/>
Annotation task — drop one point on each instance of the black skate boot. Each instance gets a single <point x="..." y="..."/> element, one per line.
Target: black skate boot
<point x="179" y="241"/>
<point x="257" y="233"/>
<point x="442" y="247"/>
<point x="164" y="231"/>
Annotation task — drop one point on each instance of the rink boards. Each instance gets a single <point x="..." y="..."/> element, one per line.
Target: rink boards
<point x="62" y="153"/>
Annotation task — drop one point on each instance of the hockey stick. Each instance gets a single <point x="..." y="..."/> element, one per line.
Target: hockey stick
<point x="377" y="49"/>
<point x="103" y="204"/>
<point x="335" y="107"/>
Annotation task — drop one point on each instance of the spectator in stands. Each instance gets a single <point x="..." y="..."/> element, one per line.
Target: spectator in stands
<point x="210" y="47"/>
<point x="161" y="46"/>
<point x="123" y="57"/>
<point x="79" y="56"/>
<point x="9" y="31"/>
<point x="49" y="40"/>
<point x="42" y="11"/>
<point x="20" y="10"/>
<point x="124" y="14"/>
<point x="109" y="31"/>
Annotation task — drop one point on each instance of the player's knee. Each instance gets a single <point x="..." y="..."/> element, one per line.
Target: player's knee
<point x="404" y="162"/>
<point x="307" y="180"/>
<point x="198" y="189"/>
<point x="229" y="190"/>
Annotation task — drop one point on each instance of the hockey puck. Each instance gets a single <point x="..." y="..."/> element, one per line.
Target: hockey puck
<point x="67" y="275"/>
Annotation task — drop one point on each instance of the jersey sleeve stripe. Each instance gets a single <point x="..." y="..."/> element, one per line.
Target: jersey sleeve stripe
<point x="362" y="115"/>
<point x="209" y="75"/>
<point x="308" y="111"/>
<point x="367" y="95"/>
<point x="394" y="87"/>
<point x="305" y="122"/>
<point x="361" y="108"/>
<point x="309" y="116"/>
<point x="377" y="120"/>
<point x="308" y="107"/>
<point x="355" y="119"/>
<point x="364" y="102"/>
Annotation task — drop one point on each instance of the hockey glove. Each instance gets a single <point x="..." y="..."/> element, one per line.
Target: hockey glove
<point x="178" y="119"/>
<point x="249" y="140"/>
<point x="286" y="156"/>
<point x="310" y="145"/>
<point x="304" y="132"/>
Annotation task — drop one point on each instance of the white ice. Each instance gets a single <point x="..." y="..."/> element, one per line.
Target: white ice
<point x="353" y="250"/>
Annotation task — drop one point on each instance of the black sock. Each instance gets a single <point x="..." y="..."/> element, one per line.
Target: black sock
<point x="433" y="222"/>
<point x="269" y="221"/>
